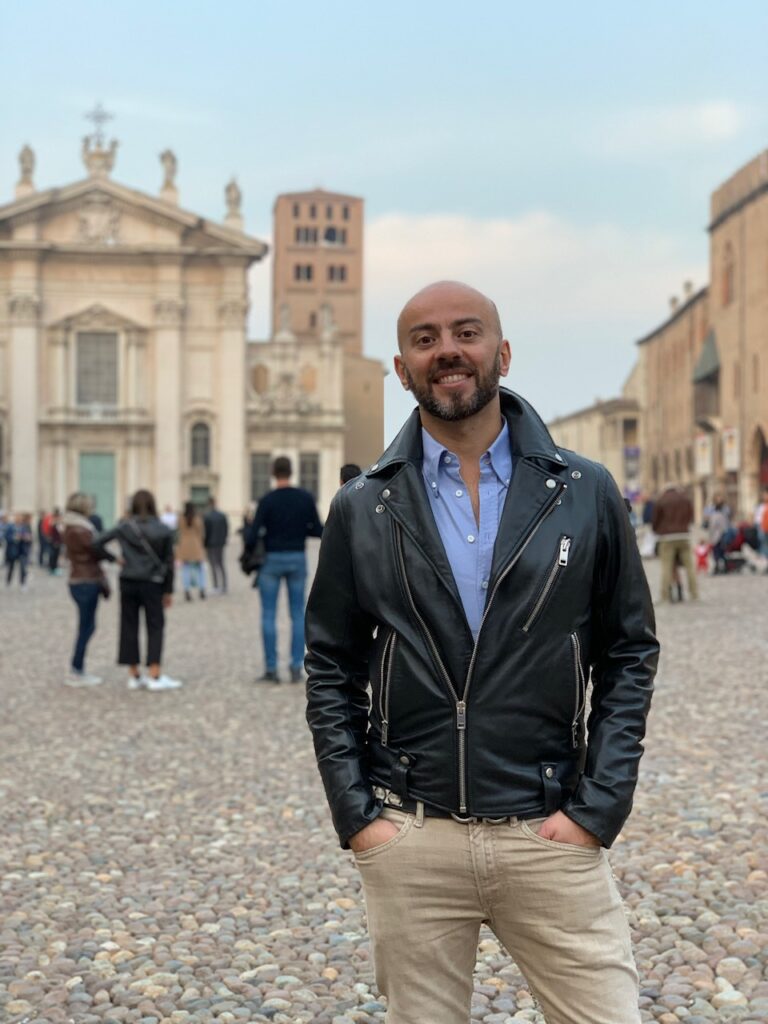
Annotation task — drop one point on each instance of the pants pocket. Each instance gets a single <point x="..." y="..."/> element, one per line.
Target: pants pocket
<point x="405" y="824"/>
<point x="529" y="827"/>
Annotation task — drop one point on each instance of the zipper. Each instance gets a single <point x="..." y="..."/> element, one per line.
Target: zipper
<point x="387" y="659"/>
<point x="461" y="707"/>
<point x="581" y="689"/>
<point x="561" y="561"/>
<point x="461" y="702"/>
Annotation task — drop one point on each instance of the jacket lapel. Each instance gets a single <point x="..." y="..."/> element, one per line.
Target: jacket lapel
<point x="526" y="500"/>
<point x="408" y="503"/>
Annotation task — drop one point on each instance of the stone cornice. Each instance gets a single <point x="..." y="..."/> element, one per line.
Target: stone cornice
<point x="19" y="247"/>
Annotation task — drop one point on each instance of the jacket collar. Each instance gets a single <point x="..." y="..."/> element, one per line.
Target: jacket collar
<point x="529" y="437"/>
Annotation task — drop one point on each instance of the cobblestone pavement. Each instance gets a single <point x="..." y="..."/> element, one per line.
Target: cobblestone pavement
<point x="168" y="857"/>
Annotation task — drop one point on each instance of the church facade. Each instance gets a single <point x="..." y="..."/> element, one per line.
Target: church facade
<point x="124" y="359"/>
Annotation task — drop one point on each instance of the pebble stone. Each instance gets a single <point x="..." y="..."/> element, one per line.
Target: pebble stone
<point x="168" y="858"/>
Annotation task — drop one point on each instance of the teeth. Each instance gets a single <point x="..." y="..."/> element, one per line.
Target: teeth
<point x="453" y="378"/>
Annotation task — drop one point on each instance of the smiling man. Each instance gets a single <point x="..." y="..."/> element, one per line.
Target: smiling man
<point x="473" y="578"/>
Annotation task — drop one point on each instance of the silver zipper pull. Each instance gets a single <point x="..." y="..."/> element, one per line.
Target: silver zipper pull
<point x="565" y="547"/>
<point x="384" y="732"/>
<point x="461" y="715"/>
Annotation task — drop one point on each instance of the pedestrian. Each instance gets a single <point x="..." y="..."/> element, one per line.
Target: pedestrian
<point x="285" y="517"/>
<point x="54" y="535"/>
<point x="761" y="522"/>
<point x="95" y="519"/>
<point x="18" y="545"/>
<point x="170" y="519"/>
<point x="87" y="582"/>
<point x="672" y="518"/>
<point x="42" y="541"/>
<point x="146" y="582"/>
<point x="718" y="527"/>
<point x="348" y="472"/>
<point x="189" y="551"/>
<point x="473" y="577"/>
<point x="216" y="534"/>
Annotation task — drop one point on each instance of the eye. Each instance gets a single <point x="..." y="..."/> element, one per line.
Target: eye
<point x="423" y="340"/>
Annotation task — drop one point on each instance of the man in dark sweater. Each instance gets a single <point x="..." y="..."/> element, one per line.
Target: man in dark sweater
<point x="284" y="519"/>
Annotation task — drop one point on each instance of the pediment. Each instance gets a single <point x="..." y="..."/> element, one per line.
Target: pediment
<point x="100" y="212"/>
<point x="97" y="317"/>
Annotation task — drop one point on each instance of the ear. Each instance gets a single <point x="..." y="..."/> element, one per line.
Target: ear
<point x="505" y="357"/>
<point x="400" y="371"/>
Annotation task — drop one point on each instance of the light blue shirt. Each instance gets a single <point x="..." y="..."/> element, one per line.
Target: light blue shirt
<point x="468" y="544"/>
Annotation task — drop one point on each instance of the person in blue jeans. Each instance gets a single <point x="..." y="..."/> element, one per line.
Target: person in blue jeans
<point x="286" y="516"/>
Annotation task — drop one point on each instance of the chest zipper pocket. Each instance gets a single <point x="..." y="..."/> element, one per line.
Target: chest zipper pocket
<point x="580" y="689"/>
<point x="560" y="563"/>
<point x="387" y="660"/>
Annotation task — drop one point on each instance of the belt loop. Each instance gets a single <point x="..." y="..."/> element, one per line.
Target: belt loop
<point x="419" y="823"/>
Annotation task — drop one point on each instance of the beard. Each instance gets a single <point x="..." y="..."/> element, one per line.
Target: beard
<point x="456" y="407"/>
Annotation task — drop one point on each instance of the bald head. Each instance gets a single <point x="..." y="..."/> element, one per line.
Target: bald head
<point x="450" y="292"/>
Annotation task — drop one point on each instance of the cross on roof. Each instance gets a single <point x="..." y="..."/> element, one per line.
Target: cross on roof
<point x="99" y="116"/>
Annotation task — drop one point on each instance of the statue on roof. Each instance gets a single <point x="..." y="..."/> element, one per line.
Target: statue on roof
<point x="234" y="198"/>
<point x="27" y="165"/>
<point x="170" y="165"/>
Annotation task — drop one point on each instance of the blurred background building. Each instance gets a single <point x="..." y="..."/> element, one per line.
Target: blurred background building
<point x="124" y="358"/>
<point x="701" y="379"/>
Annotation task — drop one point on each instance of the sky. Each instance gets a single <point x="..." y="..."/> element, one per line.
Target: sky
<point x="559" y="157"/>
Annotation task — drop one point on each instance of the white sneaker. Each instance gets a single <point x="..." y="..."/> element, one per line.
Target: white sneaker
<point x="82" y="679"/>
<point x="163" y="682"/>
<point x="137" y="682"/>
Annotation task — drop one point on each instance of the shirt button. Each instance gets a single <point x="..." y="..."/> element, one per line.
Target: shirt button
<point x="434" y="484"/>
<point x="459" y="493"/>
<point x="471" y="538"/>
<point x="484" y="584"/>
<point x="447" y="459"/>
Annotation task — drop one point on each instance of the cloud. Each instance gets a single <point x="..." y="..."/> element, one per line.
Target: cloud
<point x="657" y="130"/>
<point x="573" y="298"/>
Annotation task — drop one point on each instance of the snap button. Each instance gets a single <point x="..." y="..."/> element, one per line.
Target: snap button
<point x="576" y="475"/>
<point x="379" y="509"/>
<point x="549" y="772"/>
<point x="558" y="456"/>
<point x="360" y="485"/>
<point x="386" y="493"/>
<point x="559" y="501"/>
<point x="551" y="483"/>
<point x="374" y="467"/>
<point x="405" y="760"/>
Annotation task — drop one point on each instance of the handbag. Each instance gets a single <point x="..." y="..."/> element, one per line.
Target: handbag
<point x="252" y="559"/>
<point x="162" y="568"/>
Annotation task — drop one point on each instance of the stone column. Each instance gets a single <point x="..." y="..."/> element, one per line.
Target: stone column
<point x="134" y="357"/>
<point x="60" y="465"/>
<point x="133" y="445"/>
<point x="169" y="317"/>
<point x="230" y="443"/>
<point x="24" y="314"/>
<point x="59" y="396"/>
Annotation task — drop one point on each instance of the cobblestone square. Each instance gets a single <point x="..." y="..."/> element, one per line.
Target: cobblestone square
<point x="168" y="857"/>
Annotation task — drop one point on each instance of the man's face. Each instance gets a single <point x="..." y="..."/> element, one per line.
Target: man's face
<point x="452" y="354"/>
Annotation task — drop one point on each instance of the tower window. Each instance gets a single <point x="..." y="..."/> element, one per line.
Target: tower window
<point x="295" y="209"/>
<point x="329" y="212"/>
<point x="345" y="212"/>
<point x="302" y="272"/>
<point x="337" y="273"/>
<point x="313" y="211"/>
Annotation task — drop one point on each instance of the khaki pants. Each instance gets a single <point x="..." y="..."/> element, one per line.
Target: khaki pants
<point x="555" y="907"/>
<point x="668" y="549"/>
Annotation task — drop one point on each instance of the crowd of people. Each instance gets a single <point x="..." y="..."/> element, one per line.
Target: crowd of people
<point x="149" y="547"/>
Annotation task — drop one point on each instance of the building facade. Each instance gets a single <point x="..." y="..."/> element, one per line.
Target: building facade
<point x="124" y="359"/>
<point x="317" y="280"/>
<point x="706" y="366"/>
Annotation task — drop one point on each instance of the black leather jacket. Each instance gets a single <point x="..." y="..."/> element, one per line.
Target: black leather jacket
<point x="494" y="727"/>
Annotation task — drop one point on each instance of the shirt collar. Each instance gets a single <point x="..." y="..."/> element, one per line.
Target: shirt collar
<point x="499" y="455"/>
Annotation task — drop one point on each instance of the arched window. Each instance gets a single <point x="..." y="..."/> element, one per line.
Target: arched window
<point x="201" y="445"/>
<point x="729" y="274"/>
<point x="330" y="235"/>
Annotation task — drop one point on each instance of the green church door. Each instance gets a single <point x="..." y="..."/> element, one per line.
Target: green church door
<point x="97" y="478"/>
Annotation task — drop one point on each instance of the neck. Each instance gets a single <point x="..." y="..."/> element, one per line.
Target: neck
<point x="282" y="483"/>
<point x="470" y="437"/>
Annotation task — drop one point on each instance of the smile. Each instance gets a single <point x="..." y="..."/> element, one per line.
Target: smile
<point x="453" y="378"/>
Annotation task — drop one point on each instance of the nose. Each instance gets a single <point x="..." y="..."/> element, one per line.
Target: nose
<point x="449" y="347"/>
